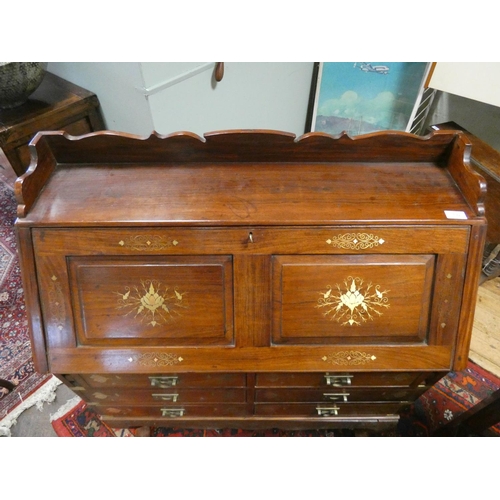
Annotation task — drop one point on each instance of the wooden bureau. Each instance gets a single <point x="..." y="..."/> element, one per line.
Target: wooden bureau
<point x="248" y="278"/>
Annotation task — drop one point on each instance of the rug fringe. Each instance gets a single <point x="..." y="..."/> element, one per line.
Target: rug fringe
<point x="45" y="394"/>
<point x="65" y="408"/>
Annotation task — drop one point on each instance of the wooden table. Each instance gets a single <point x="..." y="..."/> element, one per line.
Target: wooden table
<point x="486" y="161"/>
<point x="56" y="105"/>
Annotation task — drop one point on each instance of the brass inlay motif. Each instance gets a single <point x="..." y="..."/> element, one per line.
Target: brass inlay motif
<point x="356" y="304"/>
<point x="142" y="242"/>
<point x="56" y="302"/>
<point x="355" y="241"/>
<point x="159" y="359"/>
<point x="349" y="358"/>
<point x="151" y="302"/>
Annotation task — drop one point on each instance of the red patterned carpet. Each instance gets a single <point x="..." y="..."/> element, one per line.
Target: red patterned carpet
<point x="16" y="363"/>
<point x="450" y="397"/>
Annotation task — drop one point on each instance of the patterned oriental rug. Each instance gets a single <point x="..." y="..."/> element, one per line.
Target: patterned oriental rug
<point x="450" y="397"/>
<point x="16" y="363"/>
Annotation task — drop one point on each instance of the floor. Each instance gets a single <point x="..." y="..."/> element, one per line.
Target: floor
<point x="485" y="343"/>
<point x="485" y="350"/>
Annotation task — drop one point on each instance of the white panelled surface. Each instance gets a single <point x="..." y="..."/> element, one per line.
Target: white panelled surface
<point x="469" y="96"/>
<point x="124" y="108"/>
<point x="474" y="80"/>
<point x="168" y="97"/>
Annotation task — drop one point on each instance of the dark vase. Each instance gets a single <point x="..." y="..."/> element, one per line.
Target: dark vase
<point x="18" y="80"/>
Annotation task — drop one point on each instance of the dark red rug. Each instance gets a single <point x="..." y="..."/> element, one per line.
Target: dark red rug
<point x="16" y="363"/>
<point x="450" y="397"/>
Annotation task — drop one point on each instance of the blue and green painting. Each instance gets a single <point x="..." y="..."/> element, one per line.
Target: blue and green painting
<point x="363" y="97"/>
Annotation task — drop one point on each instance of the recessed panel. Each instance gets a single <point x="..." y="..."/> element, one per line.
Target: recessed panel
<point x="152" y="301"/>
<point x="351" y="299"/>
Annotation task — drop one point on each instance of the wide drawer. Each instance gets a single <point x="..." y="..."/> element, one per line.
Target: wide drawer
<point x="177" y="412"/>
<point x="280" y="395"/>
<point x="339" y="239"/>
<point x="194" y="380"/>
<point x="170" y="396"/>
<point x="324" y="410"/>
<point x="332" y="379"/>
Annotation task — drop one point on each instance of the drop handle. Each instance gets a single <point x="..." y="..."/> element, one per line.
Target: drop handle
<point x="331" y="411"/>
<point x="166" y="397"/>
<point x="336" y="396"/>
<point x="164" y="382"/>
<point x="172" y="412"/>
<point x="338" y="380"/>
<point x="250" y="237"/>
<point x="219" y="71"/>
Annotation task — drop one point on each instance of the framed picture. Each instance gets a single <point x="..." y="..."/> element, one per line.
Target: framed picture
<point x="364" y="97"/>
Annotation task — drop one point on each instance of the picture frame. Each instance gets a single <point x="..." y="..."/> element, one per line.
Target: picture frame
<point x="361" y="97"/>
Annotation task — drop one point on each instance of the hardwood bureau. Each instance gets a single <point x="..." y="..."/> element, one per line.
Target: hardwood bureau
<point x="249" y="278"/>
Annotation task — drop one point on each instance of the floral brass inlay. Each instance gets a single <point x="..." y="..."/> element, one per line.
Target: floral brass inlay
<point x="147" y="242"/>
<point x="152" y="303"/>
<point x="354" y="305"/>
<point x="355" y="241"/>
<point x="56" y="302"/>
<point x="159" y="359"/>
<point x="349" y="358"/>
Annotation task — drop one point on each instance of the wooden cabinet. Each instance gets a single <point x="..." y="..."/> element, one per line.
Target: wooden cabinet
<point x="249" y="278"/>
<point x="55" y="105"/>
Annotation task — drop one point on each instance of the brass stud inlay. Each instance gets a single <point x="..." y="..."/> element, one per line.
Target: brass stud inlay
<point x="147" y="242"/>
<point x="349" y="358"/>
<point x="56" y="302"/>
<point x="159" y="359"/>
<point x="355" y="241"/>
<point x="356" y="304"/>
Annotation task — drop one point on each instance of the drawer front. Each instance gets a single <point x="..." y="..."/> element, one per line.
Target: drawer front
<point x="342" y="395"/>
<point x="173" y="412"/>
<point x="168" y="397"/>
<point x="340" y="239"/>
<point x="332" y="379"/>
<point x="159" y="382"/>
<point x="361" y="299"/>
<point x="152" y="301"/>
<point x="327" y="410"/>
<point x="91" y="298"/>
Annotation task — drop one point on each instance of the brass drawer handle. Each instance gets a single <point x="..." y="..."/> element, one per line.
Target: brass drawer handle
<point x="338" y="380"/>
<point x="164" y="382"/>
<point x="331" y="411"/>
<point x="172" y="412"/>
<point x="166" y="397"/>
<point x="336" y="396"/>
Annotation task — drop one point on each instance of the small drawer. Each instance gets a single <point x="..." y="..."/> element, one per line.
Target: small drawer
<point x="342" y="395"/>
<point x="327" y="410"/>
<point x="173" y="412"/>
<point x="332" y="379"/>
<point x="162" y="381"/>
